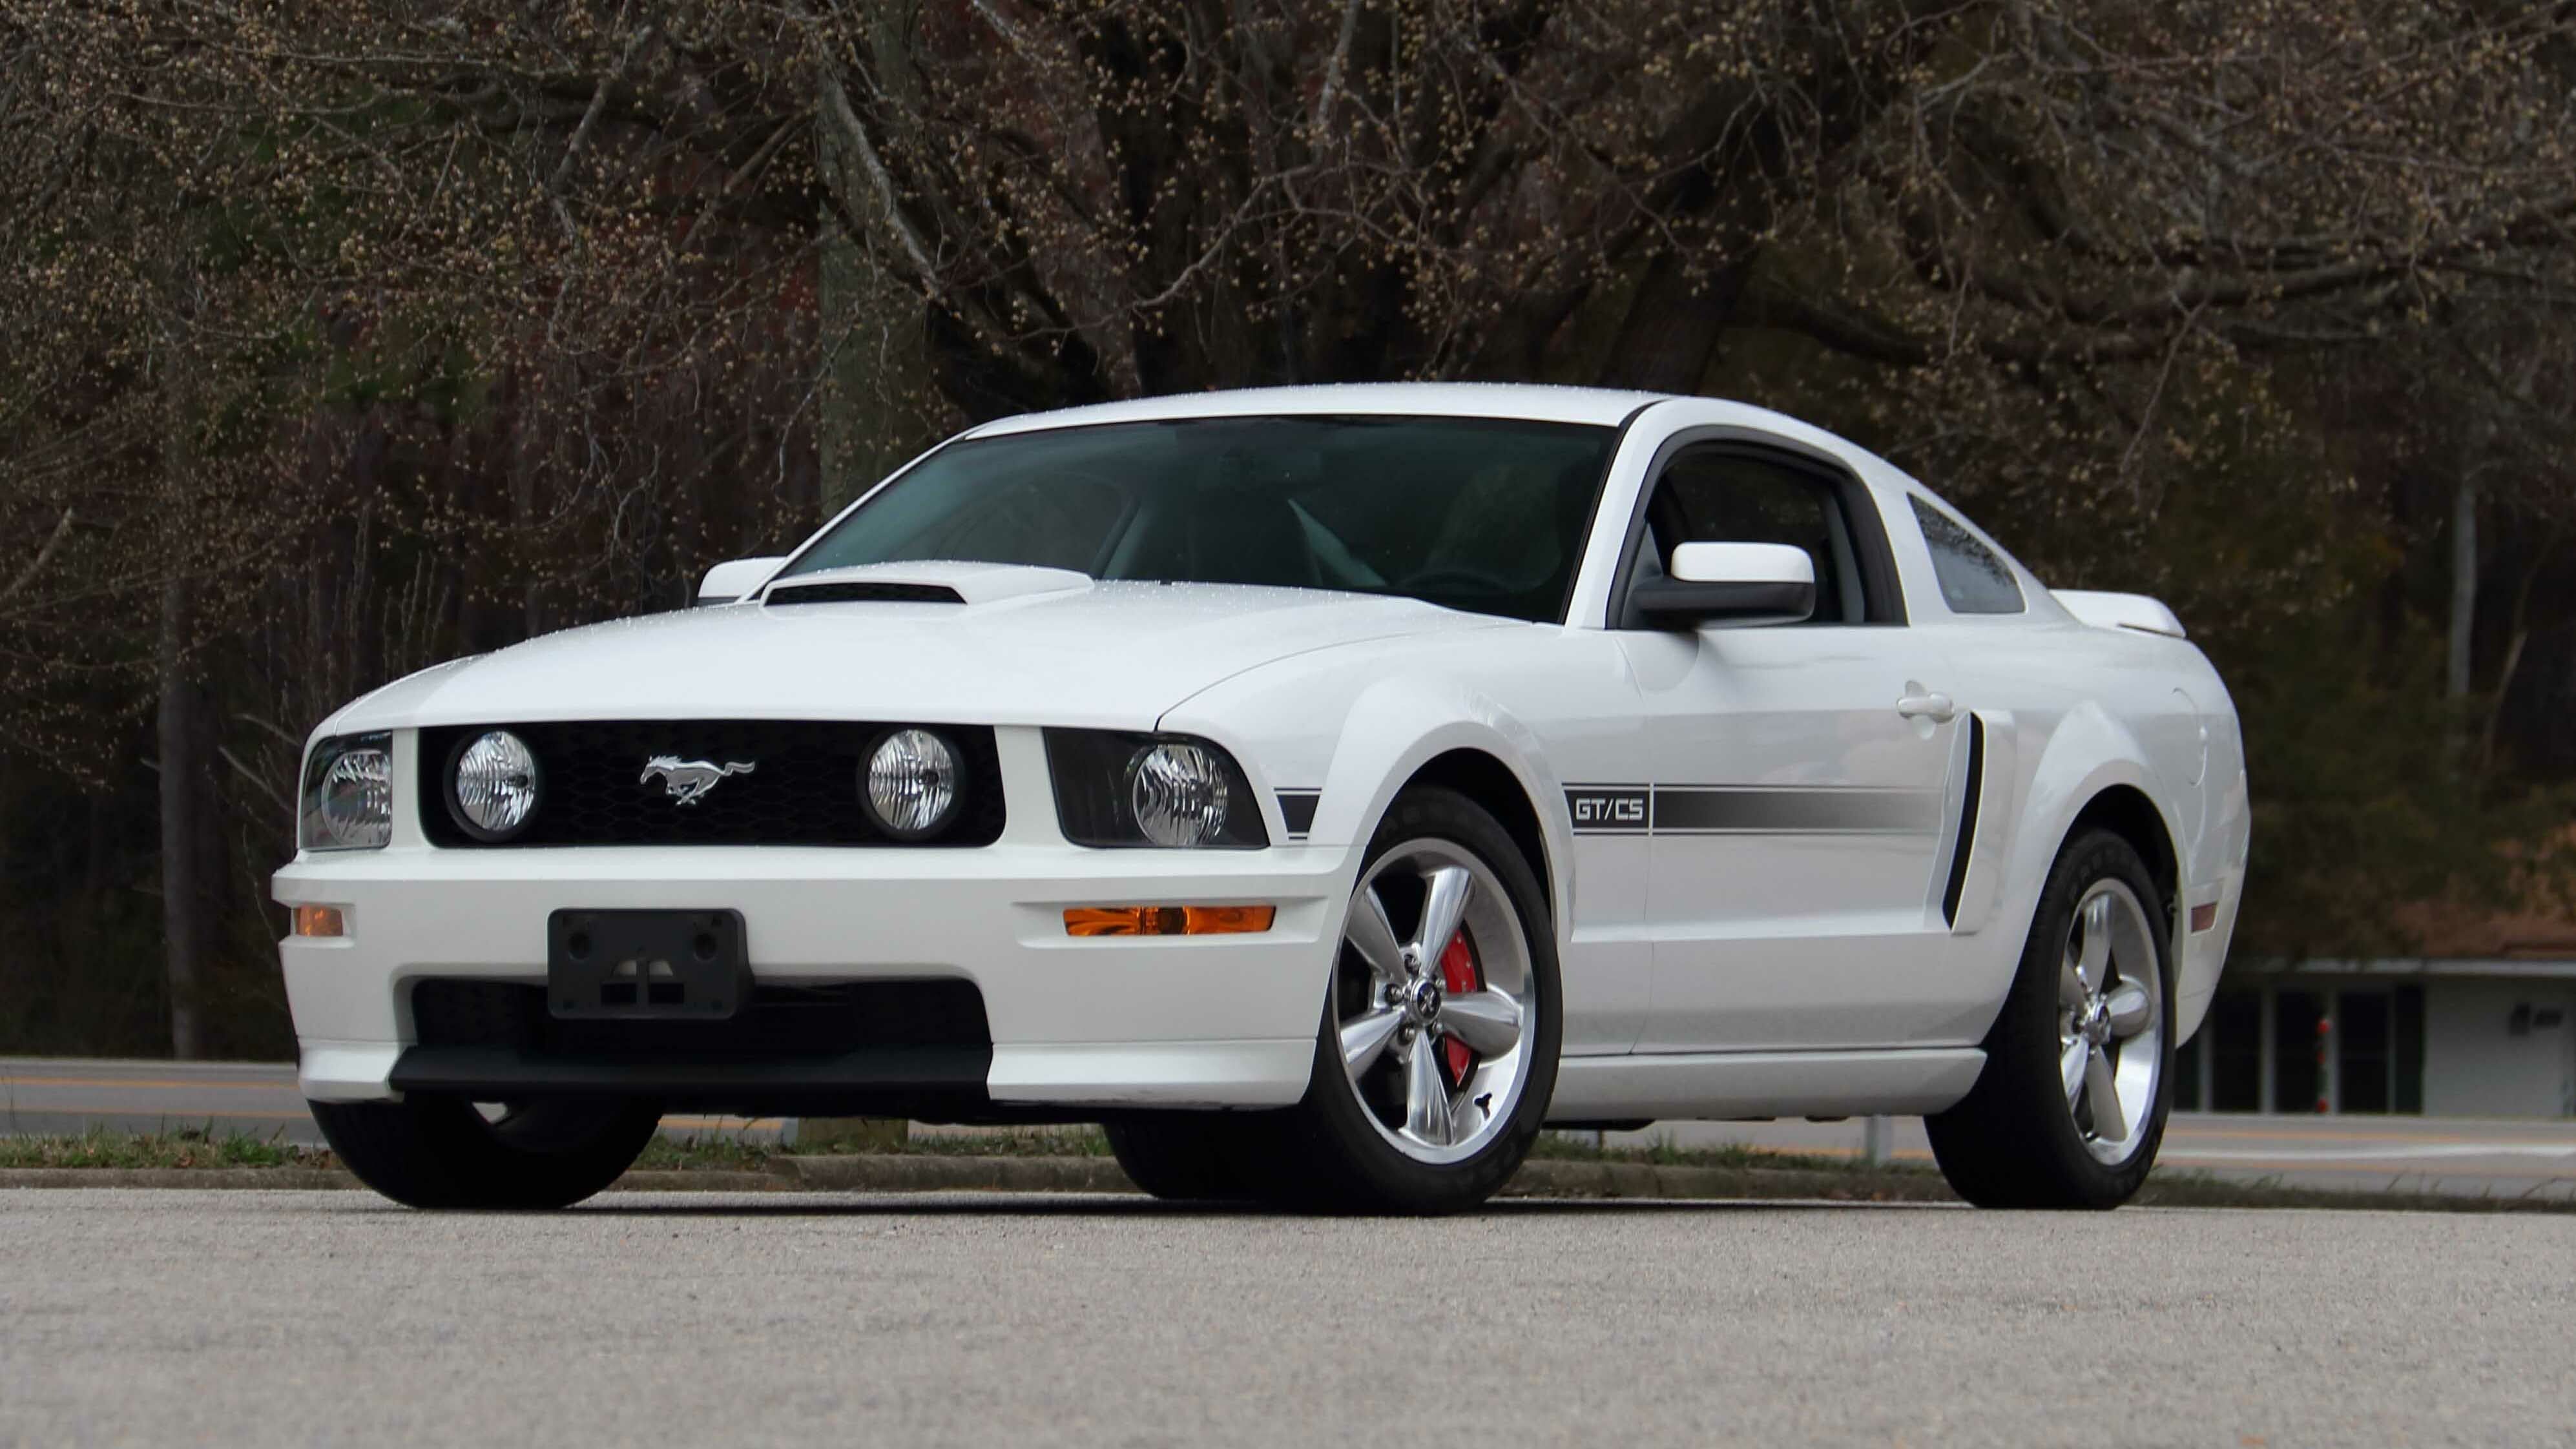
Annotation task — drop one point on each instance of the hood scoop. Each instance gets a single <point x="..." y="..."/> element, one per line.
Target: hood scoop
<point x="862" y="591"/>
<point x="931" y="582"/>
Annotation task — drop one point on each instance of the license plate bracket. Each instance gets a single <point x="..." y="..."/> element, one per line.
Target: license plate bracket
<point x="646" y="965"/>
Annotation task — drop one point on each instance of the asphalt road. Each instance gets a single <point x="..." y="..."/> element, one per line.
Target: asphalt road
<point x="2503" y="1158"/>
<point x="291" y="1318"/>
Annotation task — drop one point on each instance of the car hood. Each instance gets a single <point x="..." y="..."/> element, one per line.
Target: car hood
<point x="1031" y="646"/>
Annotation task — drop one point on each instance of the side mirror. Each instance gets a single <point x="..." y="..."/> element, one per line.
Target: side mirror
<point x="734" y="578"/>
<point x="1737" y="584"/>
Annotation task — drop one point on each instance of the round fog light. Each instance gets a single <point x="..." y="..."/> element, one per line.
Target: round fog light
<point x="496" y="785"/>
<point x="1178" y="793"/>
<point x="911" y="784"/>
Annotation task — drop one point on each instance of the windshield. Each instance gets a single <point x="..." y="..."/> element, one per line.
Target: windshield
<point x="1470" y="513"/>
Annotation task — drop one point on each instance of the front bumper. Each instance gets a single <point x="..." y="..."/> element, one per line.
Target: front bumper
<point x="1101" y="1022"/>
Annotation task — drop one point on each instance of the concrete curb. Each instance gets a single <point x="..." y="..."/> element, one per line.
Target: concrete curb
<point x="312" y="1179"/>
<point x="271" y="1179"/>
<point x="1541" y="1178"/>
<point x="926" y="1172"/>
<point x="708" y="1180"/>
<point x="1559" y="1177"/>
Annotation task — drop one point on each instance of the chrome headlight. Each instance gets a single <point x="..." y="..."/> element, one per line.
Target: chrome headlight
<point x="493" y="785"/>
<point x="1178" y="794"/>
<point x="911" y="784"/>
<point x="1162" y="790"/>
<point x="348" y="794"/>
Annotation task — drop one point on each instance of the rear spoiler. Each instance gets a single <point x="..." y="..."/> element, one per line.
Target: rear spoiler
<point x="2121" y="611"/>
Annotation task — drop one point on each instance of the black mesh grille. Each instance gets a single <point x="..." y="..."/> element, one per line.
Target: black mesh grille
<point x="803" y="788"/>
<point x="850" y="1049"/>
<point x="861" y="592"/>
<point x="780" y="1021"/>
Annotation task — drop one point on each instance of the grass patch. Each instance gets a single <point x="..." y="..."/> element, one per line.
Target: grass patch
<point x="1018" y="1142"/>
<point x="104" y="1147"/>
<point x="706" y="1152"/>
<point x="1578" y="1147"/>
<point x="720" y="1151"/>
<point x="179" y="1147"/>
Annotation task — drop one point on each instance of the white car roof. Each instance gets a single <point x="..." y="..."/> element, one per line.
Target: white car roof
<point x="1534" y="402"/>
<point x="1602" y="406"/>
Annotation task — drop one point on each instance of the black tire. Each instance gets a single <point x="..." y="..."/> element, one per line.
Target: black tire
<point x="1325" y="1153"/>
<point x="2013" y="1142"/>
<point x="439" y="1152"/>
<point x="1181" y="1156"/>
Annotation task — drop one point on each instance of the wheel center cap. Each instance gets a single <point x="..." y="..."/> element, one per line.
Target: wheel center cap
<point x="1422" y="999"/>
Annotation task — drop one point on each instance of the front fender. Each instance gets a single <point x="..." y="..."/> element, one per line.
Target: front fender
<point x="1387" y="732"/>
<point x="1397" y="727"/>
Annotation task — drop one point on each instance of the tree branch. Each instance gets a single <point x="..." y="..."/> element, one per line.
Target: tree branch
<point x="598" y="103"/>
<point x="1332" y="88"/>
<point x="836" y="105"/>
<point x="44" y="555"/>
<point x="257" y="781"/>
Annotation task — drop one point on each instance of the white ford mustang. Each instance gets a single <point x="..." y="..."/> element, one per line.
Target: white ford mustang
<point x="1325" y="789"/>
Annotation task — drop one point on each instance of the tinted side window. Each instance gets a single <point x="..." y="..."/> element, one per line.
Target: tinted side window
<point x="1973" y="580"/>
<point x="1725" y="496"/>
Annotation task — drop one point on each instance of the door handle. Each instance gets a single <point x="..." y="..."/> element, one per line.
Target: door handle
<point x="1931" y="706"/>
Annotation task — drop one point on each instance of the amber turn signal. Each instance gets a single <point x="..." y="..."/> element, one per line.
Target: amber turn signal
<point x="320" y="921"/>
<point x="1167" y="920"/>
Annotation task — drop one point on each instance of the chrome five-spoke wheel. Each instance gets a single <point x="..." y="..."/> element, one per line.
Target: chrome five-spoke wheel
<point x="1433" y="994"/>
<point x="2070" y="1103"/>
<point x="2110" y="1028"/>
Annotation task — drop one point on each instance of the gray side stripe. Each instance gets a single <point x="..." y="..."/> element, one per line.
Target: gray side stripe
<point x="1751" y="810"/>
<point x="1688" y="809"/>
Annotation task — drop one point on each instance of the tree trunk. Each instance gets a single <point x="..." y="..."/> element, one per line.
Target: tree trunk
<point x="523" y="385"/>
<point x="875" y="342"/>
<point x="183" y="756"/>
<point x="1671" y="331"/>
<point x="2464" y="587"/>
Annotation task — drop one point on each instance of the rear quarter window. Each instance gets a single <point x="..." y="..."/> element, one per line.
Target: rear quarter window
<point x="1974" y="580"/>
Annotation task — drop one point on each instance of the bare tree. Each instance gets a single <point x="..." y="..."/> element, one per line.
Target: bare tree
<point x="337" y="340"/>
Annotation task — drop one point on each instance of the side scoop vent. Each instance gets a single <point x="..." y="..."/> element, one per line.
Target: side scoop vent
<point x="862" y="591"/>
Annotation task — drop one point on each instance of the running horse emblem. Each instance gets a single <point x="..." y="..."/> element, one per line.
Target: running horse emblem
<point x="687" y="780"/>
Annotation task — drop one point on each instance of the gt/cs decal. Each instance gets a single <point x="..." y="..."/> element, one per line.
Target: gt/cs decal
<point x="1609" y="809"/>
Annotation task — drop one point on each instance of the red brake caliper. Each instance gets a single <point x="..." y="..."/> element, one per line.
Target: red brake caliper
<point x="1458" y="976"/>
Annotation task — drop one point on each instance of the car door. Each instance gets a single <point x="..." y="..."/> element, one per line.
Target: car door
<point x="1801" y="776"/>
